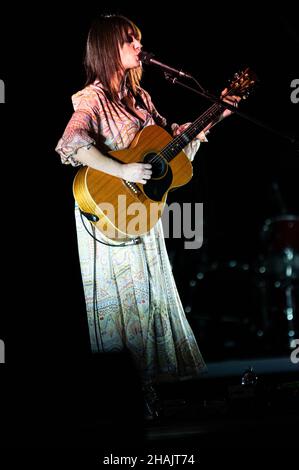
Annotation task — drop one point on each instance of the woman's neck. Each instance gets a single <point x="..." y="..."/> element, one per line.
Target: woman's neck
<point x="119" y="81"/>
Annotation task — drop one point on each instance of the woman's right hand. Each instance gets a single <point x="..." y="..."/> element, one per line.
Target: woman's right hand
<point x="136" y="172"/>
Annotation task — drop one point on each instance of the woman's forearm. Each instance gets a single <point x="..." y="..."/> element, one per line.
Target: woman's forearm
<point x="93" y="158"/>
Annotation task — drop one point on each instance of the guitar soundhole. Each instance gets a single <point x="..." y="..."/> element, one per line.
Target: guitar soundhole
<point x="161" y="178"/>
<point x="159" y="166"/>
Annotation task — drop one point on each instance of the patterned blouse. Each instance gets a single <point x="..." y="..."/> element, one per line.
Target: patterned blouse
<point x="107" y="125"/>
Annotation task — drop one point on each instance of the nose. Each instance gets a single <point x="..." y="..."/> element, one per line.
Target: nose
<point x="137" y="44"/>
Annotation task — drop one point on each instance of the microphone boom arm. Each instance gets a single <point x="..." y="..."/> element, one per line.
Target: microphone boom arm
<point x="217" y="100"/>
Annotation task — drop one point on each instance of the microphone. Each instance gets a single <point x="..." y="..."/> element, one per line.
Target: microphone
<point x="147" y="58"/>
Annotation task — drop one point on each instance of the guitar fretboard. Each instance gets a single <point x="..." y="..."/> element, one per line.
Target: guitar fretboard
<point x="179" y="142"/>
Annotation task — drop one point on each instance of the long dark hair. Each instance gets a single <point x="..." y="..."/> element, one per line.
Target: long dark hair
<point x="102" y="58"/>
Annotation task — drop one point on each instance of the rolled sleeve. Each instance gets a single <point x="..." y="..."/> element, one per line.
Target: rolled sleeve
<point x="192" y="148"/>
<point x="81" y="131"/>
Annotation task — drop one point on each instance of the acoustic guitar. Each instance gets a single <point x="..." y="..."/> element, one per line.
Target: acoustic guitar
<point x="122" y="209"/>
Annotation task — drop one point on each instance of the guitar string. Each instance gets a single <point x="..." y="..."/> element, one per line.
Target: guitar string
<point x="167" y="152"/>
<point x="215" y="107"/>
<point x="177" y="141"/>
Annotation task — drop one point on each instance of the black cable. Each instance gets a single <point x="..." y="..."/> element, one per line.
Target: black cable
<point x="95" y="301"/>
<point x="135" y="241"/>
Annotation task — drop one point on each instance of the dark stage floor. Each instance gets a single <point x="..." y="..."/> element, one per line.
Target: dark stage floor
<point x="220" y="413"/>
<point x="79" y="411"/>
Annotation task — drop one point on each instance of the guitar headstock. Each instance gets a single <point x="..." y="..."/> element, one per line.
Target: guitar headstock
<point x="242" y="83"/>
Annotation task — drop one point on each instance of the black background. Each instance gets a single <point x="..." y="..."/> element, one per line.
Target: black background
<point x="233" y="173"/>
<point x="43" y="319"/>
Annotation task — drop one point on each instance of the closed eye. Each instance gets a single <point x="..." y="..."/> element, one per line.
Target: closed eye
<point x="130" y="38"/>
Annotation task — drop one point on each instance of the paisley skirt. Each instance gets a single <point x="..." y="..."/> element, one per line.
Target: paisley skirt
<point x="133" y="304"/>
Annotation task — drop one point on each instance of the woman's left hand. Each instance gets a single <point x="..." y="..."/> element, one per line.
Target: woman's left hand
<point x="176" y="129"/>
<point x="231" y="99"/>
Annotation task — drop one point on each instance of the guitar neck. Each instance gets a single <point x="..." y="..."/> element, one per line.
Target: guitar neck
<point x="178" y="143"/>
<point x="240" y="86"/>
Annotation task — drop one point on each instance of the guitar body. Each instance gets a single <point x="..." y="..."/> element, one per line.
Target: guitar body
<point x="122" y="209"/>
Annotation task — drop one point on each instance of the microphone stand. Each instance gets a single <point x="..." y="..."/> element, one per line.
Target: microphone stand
<point x="215" y="99"/>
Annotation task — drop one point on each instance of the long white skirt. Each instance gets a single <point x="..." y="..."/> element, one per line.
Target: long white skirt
<point x="133" y="304"/>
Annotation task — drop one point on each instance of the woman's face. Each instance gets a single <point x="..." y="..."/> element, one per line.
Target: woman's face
<point x="129" y="52"/>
